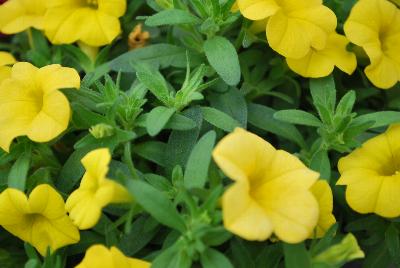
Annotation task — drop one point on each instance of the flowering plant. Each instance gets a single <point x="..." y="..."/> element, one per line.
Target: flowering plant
<point x="199" y="133"/>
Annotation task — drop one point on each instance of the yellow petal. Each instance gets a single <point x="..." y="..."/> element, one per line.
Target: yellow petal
<point x="367" y="157"/>
<point x="46" y="201"/>
<point x="293" y="34"/>
<point x="55" y="76"/>
<point x="292" y="211"/>
<point x="67" y="25"/>
<point x="13" y="206"/>
<point x="6" y="58"/>
<point x="243" y="156"/>
<point x="83" y="209"/>
<point x="243" y="216"/>
<point x="384" y="73"/>
<point x="96" y="163"/>
<point x="19" y="15"/>
<point x="115" y="8"/>
<point x="323" y="194"/>
<point x="97" y="256"/>
<point x="257" y="9"/>
<point x="258" y="26"/>
<point x="5" y="72"/>
<point x="320" y="63"/>
<point x="286" y="168"/>
<point x="18" y="107"/>
<point x="52" y="119"/>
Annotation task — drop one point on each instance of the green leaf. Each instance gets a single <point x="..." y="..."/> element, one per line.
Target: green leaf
<point x="381" y="119"/>
<point x="172" y="17"/>
<point x="157" y="119"/>
<point x="157" y="55"/>
<point x="393" y="243"/>
<point x="296" y="256"/>
<point x="345" y="105"/>
<point x="298" y="117"/>
<point x="180" y="122"/>
<point x="219" y="119"/>
<point x="152" y="151"/>
<point x="212" y="258"/>
<point x="199" y="160"/>
<point x="19" y="171"/>
<point x="263" y="118"/>
<point x="156" y="204"/>
<point x="320" y="162"/>
<point x="173" y="257"/>
<point x="154" y="81"/>
<point x="222" y="56"/>
<point x="323" y="91"/>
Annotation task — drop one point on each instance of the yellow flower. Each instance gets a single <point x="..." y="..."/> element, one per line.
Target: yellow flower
<point x="32" y="105"/>
<point x="323" y="193"/>
<point x="294" y="27"/>
<point x="18" y="15"/>
<point x="375" y="26"/>
<point x="5" y="59"/>
<point x="94" y="22"/>
<point x="95" y="191"/>
<point x="100" y="256"/>
<point x="320" y="63"/>
<point x="372" y="175"/>
<point x="271" y="192"/>
<point x="40" y="220"/>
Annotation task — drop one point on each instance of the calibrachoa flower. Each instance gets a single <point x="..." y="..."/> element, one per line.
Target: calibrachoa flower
<point x="321" y="62"/>
<point x="95" y="191"/>
<point x="32" y="105"/>
<point x="271" y="193"/>
<point x="94" y="22"/>
<point x="100" y="256"/>
<point x="5" y="60"/>
<point x="294" y="27"/>
<point x="375" y="26"/>
<point x="323" y="193"/>
<point x="40" y="220"/>
<point x="18" y="15"/>
<point x="371" y="174"/>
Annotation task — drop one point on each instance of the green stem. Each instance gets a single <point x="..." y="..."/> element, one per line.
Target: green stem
<point x="127" y="158"/>
<point x="30" y="38"/>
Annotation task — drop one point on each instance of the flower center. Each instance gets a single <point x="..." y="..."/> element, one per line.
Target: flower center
<point x="92" y="3"/>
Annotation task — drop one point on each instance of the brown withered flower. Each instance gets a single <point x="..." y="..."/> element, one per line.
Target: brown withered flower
<point x="137" y="38"/>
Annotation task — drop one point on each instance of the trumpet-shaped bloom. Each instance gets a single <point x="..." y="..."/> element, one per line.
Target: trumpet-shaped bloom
<point x="294" y="27"/>
<point x="32" y="105"/>
<point x="18" y="15"/>
<point x="5" y="60"/>
<point x="40" y="220"/>
<point x="271" y="192"/>
<point x="371" y="174"/>
<point x="95" y="191"/>
<point x="100" y="256"/>
<point x="375" y="26"/>
<point x="323" y="193"/>
<point x="320" y="63"/>
<point x="94" y="22"/>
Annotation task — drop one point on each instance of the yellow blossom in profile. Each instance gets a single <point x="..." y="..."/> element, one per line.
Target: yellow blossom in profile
<point x="6" y="59"/>
<point x="32" y="105"/>
<point x="372" y="175"/>
<point x="323" y="193"/>
<point x="321" y="62"/>
<point x="95" y="191"/>
<point x="374" y="25"/>
<point x="99" y="256"/>
<point x="93" y="22"/>
<point x="271" y="190"/>
<point x="18" y="15"/>
<point x="294" y="27"/>
<point x="40" y="220"/>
